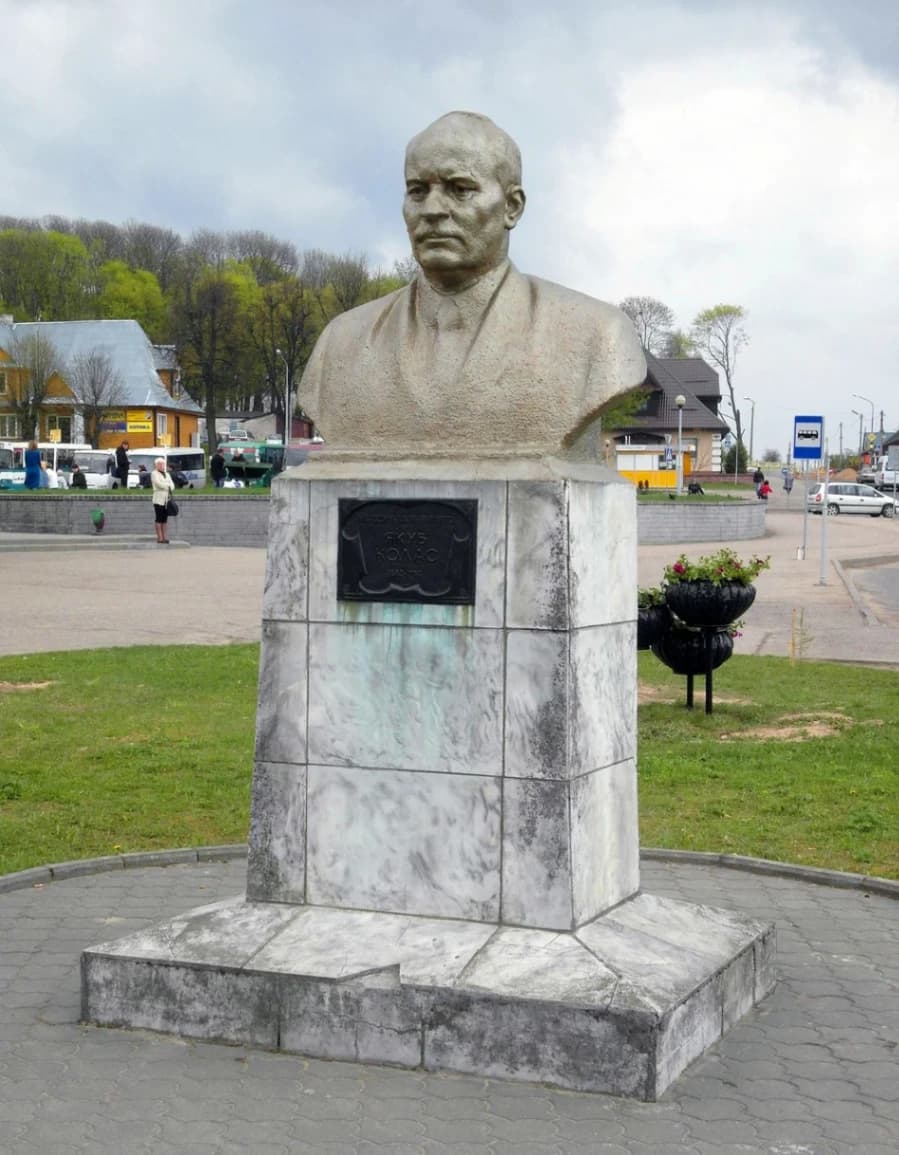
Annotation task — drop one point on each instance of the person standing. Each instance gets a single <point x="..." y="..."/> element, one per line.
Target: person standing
<point x="218" y="469"/>
<point x="757" y="478"/>
<point x="32" y="466"/>
<point x="163" y="486"/>
<point x="122" y="464"/>
<point x="79" y="481"/>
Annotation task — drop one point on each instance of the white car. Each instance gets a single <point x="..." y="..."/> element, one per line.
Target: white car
<point x="850" y="497"/>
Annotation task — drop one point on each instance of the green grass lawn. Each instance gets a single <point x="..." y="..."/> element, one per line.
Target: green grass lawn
<point x="109" y="751"/>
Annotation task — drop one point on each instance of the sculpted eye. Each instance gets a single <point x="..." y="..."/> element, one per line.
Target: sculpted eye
<point x="462" y="191"/>
<point x="416" y="192"/>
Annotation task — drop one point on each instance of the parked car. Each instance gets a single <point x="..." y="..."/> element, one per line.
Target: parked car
<point x="849" y="497"/>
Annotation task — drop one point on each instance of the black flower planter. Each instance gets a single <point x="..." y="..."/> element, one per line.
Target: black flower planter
<point x="702" y="603"/>
<point x="652" y="622"/>
<point x="690" y="652"/>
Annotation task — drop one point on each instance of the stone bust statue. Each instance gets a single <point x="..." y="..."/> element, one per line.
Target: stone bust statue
<point x="472" y="358"/>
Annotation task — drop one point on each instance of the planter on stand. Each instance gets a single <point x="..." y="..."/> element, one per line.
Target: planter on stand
<point x="703" y="603"/>
<point x="652" y="622"/>
<point x="695" y="650"/>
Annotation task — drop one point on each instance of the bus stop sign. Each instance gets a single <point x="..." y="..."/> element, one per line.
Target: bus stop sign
<point x="808" y="438"/>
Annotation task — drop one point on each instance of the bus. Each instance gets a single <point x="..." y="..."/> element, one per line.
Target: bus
<point x="181" y="459"/>
<point x="57" y="454"/>
<point x="257" y="462"/>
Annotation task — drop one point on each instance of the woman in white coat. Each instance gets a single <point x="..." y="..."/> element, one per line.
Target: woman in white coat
<point x="163" y="487"/>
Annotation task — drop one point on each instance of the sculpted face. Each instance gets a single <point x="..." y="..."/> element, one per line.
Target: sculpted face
<point x="460" y="201"/>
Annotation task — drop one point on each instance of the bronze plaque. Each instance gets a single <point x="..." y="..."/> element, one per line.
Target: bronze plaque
<point x="407" y="551"/>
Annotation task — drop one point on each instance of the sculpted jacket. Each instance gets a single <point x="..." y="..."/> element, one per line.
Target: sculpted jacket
<point x="514" y="363"/>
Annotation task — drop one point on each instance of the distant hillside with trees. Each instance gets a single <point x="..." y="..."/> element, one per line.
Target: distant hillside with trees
<point x="235" y="305"/>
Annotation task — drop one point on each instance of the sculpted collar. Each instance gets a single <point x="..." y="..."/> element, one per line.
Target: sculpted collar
<point x="459" y="310"/>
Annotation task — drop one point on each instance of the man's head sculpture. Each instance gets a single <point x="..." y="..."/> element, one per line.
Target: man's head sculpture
<point x="472" y="358"/>
<point x="463" y="196"/>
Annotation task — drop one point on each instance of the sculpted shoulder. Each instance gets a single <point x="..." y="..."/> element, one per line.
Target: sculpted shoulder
<point x="354" y="323"/>
<point x="555" y="298"/>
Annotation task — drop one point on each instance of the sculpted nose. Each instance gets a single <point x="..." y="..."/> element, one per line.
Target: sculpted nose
<point x="434" y="205"/>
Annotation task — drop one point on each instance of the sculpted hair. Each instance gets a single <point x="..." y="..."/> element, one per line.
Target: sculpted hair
<point x="506" y="153"/>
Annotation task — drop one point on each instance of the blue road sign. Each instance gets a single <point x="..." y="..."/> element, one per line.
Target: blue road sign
<point x="808" y="438"/>
<point x="669" y="453"/>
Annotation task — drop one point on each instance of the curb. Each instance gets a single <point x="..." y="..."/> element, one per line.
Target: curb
<point x="820" y="876"/>
<point x="77" y="868"/>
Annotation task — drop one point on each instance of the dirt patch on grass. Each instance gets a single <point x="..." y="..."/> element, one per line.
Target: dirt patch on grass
<point x="796" y="728"/>
<point x="802" y="727"/>
<point x="15" y="687"/>
<point x="676" y="693"/>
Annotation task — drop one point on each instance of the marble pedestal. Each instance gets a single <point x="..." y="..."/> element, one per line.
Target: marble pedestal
<point x="443" y="854"/>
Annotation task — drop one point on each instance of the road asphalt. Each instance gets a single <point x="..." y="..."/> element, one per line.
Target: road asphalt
<point x="813" y="1070"/>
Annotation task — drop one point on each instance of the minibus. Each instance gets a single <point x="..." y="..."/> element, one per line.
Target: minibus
<point x="179" y="459"/>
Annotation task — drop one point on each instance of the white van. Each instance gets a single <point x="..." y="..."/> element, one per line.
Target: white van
<point x="97" y="466"/>
<point x="180" y="460"/>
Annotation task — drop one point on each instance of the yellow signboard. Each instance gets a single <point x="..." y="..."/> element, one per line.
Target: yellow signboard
<point x="55" y="434"/>
<point x="139" y="421"/>
<point x="164" y="439"/>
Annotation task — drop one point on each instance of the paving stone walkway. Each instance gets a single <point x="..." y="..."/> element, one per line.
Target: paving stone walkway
<point x="813" y="1071"/>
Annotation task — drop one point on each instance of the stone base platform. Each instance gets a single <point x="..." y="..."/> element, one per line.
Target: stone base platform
<point x="621" y="1005"/>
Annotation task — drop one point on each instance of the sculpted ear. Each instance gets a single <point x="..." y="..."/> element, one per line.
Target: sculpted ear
<point x="515" y="200"/>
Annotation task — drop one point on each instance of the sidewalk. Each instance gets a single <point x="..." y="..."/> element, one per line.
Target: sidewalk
<point x="812" y="1071"/>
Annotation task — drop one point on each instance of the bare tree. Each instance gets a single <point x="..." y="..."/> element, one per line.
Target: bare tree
<point x="652" y="319"/>
<point x="37" y="357"/>
<point x="349" y="278"/>
<point x="154" y="249"/>
<point x="269" y="258"/>
<point x="97" y="387"/>
<point x="406" y="270"/>
<point x="719" y="335"/>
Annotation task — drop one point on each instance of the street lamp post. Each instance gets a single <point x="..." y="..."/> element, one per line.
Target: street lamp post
<point x="680" y="401"/>
<point x="751" y="428"/>
<point x="861" y="435"/>
<point x="287" y="422"/>
<point x="871" y="403"/>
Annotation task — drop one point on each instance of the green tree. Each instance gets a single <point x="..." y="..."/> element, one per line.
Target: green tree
<point x="208" y="312"/>
<point x="727" y="462"/>
<point x="677" y="344"/>
<point x="44" y="276"/>
<point x="718" y="334"/>
<point x="132" y="294"/>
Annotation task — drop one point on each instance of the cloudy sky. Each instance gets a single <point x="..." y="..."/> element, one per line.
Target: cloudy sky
<point x="700" y="151"/>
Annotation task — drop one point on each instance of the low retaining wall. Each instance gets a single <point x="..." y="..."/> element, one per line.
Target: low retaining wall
<point x="202" y="520"/>
<point x="215" y="520"/>
<point x="681" y="520"/>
